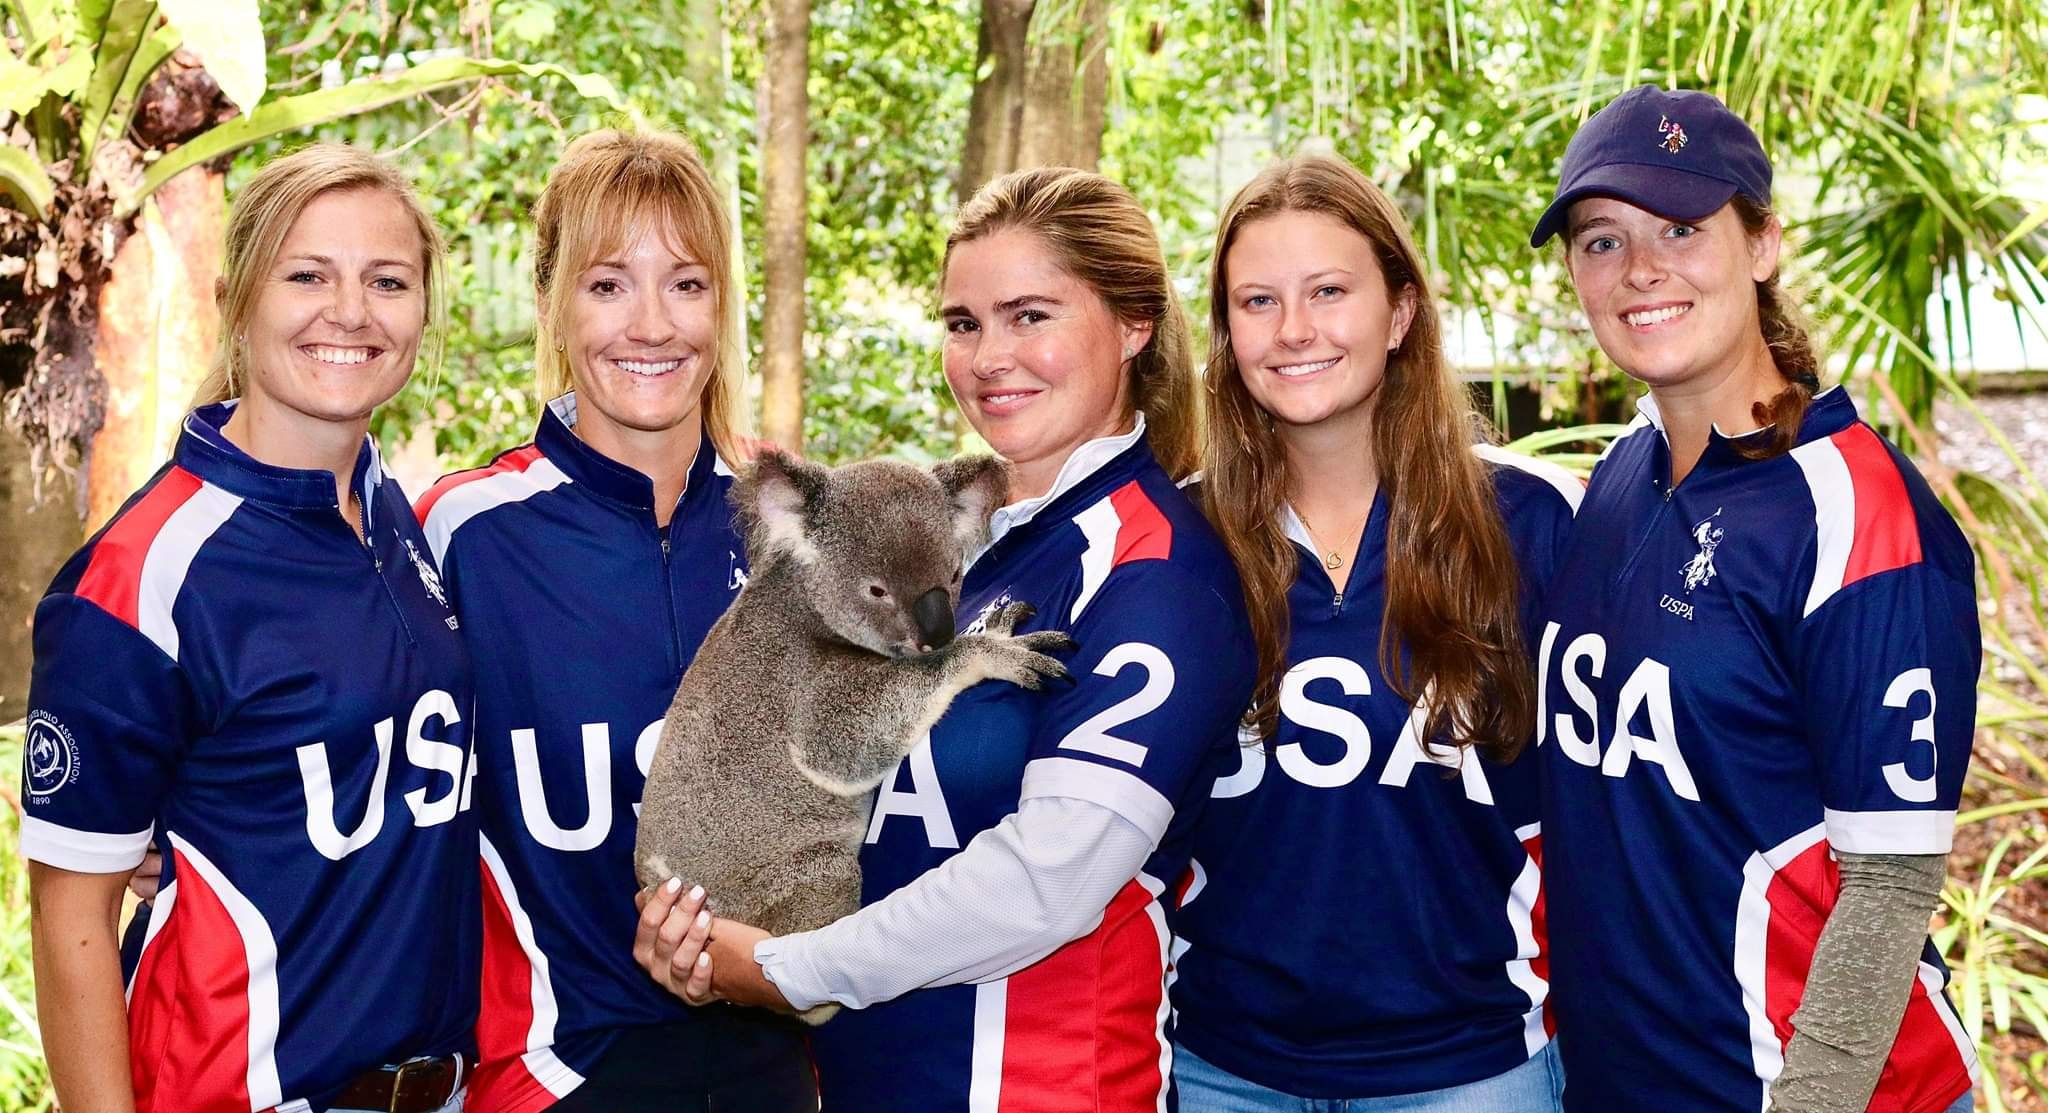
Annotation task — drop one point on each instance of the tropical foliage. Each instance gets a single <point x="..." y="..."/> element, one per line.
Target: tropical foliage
<point x="1910" y="136"/>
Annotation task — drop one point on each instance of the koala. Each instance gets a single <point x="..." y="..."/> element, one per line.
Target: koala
<point x="836" y="658"/>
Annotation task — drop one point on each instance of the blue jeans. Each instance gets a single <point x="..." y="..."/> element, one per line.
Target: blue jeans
<point x="1534" y="1087"/>
<point x="1965" y="1104"/>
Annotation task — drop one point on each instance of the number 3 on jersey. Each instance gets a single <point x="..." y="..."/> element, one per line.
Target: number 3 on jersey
<point x="1093" y="736"/>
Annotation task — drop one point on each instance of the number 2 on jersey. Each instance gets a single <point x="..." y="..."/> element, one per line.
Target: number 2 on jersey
<point x="1093" y="736"/>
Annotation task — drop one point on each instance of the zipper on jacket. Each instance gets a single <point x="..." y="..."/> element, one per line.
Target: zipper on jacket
<point x="668" y="593"/>
<point x="368" y="543"/>
<point x="1649" y="534"/>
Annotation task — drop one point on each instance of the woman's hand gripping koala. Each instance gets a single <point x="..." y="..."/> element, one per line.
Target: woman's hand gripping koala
<point x="833" y="663"/>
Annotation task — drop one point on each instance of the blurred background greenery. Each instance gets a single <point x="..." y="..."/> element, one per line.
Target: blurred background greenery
<point x="1910" y="139"/>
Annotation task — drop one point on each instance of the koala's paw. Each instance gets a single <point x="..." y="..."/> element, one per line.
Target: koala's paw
<point x="818" y="1014"/>
<point x="1006" y="620"/>
<point x="1026" y="660"/>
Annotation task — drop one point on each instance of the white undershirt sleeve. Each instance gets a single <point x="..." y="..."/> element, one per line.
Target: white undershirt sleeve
<point x="1016" y="893"/>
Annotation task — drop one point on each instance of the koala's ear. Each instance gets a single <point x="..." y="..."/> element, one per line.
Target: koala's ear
<point x="977" y="485"/>
<point x="774" y="494"/>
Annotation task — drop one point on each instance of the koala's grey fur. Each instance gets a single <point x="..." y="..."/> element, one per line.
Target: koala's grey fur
<point x="812" y="687"/>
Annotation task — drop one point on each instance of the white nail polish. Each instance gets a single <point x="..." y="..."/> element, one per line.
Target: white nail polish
<point x="696" y="893"/>
<point x="673" y="884"/>
<point x="703" y="959"/>
<point x="704" y="918"/>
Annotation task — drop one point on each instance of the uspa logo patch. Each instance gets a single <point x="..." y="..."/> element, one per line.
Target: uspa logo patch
<point x="49" y="756"/>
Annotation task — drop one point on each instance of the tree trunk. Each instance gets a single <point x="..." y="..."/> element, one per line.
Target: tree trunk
<point x="786" y="220"/>
<point x="997" y="109"/>
<point x="1036" y="106"/>
<point x="707" y="61"/>
<point x="1066" y="92"/>
<point x="158" y="326"/>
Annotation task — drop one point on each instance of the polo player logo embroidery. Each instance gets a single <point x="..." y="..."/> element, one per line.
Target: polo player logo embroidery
<point x="429" y="579"/>
<point x="1673" y="133"/>
<point x="1700" y="568"/>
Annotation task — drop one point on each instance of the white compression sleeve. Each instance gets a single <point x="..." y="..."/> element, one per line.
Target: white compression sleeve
<point x="1017" y="892"/>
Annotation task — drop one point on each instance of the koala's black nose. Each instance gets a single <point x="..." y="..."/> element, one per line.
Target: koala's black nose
<point x="934" y="613"/>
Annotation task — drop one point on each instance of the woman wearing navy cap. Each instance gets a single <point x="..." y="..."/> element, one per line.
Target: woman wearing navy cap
<point x="1757" y="674"/>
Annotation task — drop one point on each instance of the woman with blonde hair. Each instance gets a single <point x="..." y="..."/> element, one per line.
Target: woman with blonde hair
<point x="1016" y="871"/>
<point x="223" y="674"/>
<point x="586" y="567"/>
<point x="1364" y="926"/>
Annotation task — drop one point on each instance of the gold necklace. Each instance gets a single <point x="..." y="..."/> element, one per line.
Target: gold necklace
<point x="1335" y="559"/>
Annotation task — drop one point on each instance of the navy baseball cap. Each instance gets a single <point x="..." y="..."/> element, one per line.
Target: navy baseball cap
<point x="1680" y="155"/>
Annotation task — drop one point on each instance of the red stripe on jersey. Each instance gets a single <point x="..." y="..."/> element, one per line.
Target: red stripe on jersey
<point x="1539" y="926"/>
<point x="188" y="1007"/>
<point x="506" y="1016"/>
<point x="113" y="576"/>
<point x="1082" y="1026"/>
<point x="1925" y="1071"/>
<point x="1144" y="534"/>
<point x="517" y="460"/>
<point x="506" y="1086"/>
<point x="1887" y="532"/>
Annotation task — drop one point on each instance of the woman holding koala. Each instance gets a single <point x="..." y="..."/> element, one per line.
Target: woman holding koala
<point x="223" y="673"/>
<point x="1015" y="871"/>
<point x="586" y="567"/>
<point x="1390" y="956"/>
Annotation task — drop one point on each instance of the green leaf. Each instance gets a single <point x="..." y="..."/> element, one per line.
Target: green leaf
<point x="528" y="21"/>
<point x="28" y="187"/>
<point x="127" y="24"/>
<point x="309" y="109"/>
<point x="23" y="86"/>
<point x="227" y="35"/>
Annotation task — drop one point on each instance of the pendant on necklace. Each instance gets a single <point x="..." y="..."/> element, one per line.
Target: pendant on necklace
<point x="1333" y="561"/>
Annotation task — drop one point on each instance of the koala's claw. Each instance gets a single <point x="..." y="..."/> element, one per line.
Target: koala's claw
<point x="1036" y="669"/>
<point x="1006" y="620"/>
<point x="1049" y="641"/>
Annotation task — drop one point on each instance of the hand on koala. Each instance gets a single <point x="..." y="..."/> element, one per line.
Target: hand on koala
<point x="1024" y="659"/>
<point x="679" y="943"/>
<point x="669" y="943"/>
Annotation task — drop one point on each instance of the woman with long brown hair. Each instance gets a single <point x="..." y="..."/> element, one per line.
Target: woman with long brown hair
<point x="1364" y="920"/>
<point x="1013" y="949"/>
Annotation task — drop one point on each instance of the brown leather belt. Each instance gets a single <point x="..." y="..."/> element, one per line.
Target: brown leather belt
<point x="414" y="1086"/>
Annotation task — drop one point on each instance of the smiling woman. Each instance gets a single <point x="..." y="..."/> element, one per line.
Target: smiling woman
<point x="586" y="567"/>
<point x="262" y="613"/>
<point x="1763" y="715"/>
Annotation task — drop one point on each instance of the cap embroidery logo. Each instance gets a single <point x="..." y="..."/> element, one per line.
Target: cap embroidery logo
<point x="1673" y="133"/>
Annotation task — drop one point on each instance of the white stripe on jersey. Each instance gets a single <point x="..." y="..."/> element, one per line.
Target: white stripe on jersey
<point x="259" y="950"/>
<point x="82" y="851"/>
<point x="1563" y="481"/>
<point x="478" y="495"/>
<point x="1898" y="832"/>
<point x="1522" y="919"/>
<point x="1100" y="524"/>
<point x="991" y="1013"/>
<point x="1156" y="910"/>
<point x="1834" y="515"/>
<point x="1198" y="879"/>
<point x="1934" y="982"/>
<point x="1126" y="794"/>
<point x="554" y="1076"/>
<point x="1752" y="933"/>
<point x="541" y="1032"/>
<point x="170" y="558"/>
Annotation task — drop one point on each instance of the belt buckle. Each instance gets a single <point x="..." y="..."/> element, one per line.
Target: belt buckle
<point x="398" y="1081"/>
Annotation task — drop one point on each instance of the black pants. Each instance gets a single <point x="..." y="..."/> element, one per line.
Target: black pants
<point x="725" y="1060"/>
